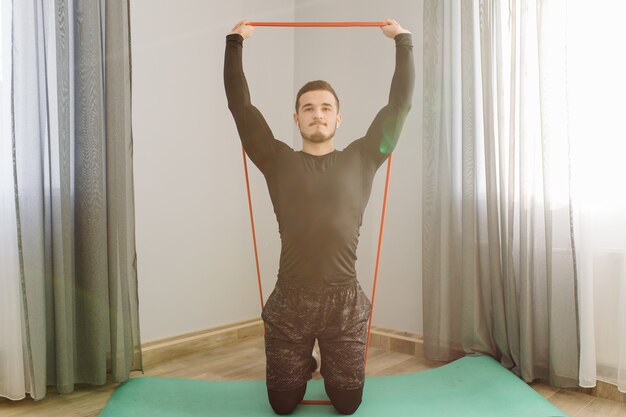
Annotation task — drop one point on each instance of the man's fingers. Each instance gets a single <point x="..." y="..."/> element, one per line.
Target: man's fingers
<point x="240" y="23"/>
<point x="243" y="28"/>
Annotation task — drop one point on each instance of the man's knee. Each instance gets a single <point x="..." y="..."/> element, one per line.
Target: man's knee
<point x="284" y="402"/>
<point x="344" y="401"/>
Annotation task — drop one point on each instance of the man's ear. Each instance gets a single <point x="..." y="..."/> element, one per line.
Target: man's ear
<point x="295" y="119"/>
<point x="339" y="117"/>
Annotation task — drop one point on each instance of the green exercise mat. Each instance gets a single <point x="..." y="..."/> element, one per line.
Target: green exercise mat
<point x="469" y="387"/>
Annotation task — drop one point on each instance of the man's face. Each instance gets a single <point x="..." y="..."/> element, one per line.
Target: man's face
<point x="317" y="116"/>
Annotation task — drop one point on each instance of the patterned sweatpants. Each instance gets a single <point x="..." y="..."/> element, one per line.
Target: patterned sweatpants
<point x="336" y="316"/>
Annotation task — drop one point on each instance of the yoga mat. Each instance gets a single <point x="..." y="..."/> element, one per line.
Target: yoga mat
<point x="469" y="387"/>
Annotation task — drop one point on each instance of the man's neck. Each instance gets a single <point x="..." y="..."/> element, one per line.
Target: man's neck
<point x="318" y="149"/>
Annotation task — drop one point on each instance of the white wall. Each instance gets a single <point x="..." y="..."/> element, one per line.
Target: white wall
<point x="194" y="250"/>
<point x="195" y="260"/>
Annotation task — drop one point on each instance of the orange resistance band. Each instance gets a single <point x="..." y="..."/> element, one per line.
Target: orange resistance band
<point x="380" y="241"/>
<point x="318" y="24"/>
<point x="380" y="245"/>
<point x="382" y="219"/>
<point x="256" y="254"/>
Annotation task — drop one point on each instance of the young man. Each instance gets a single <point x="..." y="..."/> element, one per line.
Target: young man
<point x="319" y="196"/>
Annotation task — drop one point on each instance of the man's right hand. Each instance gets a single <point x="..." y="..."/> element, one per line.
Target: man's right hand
<point x="242" y="28"/>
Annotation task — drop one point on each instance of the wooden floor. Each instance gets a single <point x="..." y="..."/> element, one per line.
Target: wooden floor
<point x="245" y="360"/>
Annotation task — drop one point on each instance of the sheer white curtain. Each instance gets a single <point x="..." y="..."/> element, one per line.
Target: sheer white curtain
<point x="597" y="107"/>
<point x="544" y="86"/>
<point x="11" y="356"/>
<point x="67" y="257"/>
<point x="498" y="263"/>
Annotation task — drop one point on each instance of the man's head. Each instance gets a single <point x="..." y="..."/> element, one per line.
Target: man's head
<point x="317" y="111"/>
<point x="317" y="85"/>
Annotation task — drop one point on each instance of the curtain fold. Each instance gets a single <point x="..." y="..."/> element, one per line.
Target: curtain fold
<point x="597" y="88"/>
<point x="498" y="267"/>
<point x="11" y="364"/>
<point x="120" y="189"/>
<point x="73" y="147"/>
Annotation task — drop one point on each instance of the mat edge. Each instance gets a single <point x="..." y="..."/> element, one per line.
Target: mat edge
<point x="157" y="351"/>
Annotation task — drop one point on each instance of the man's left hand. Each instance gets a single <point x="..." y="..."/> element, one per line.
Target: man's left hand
<point x="393" y="28"/>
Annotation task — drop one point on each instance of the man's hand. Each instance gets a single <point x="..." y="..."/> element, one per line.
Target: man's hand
<point x="242" y="28"/>
<point x="393" y="28"/>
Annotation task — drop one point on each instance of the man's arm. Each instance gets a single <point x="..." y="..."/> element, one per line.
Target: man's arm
<point x="382" y="135"/>
<point x="256" y="136"/>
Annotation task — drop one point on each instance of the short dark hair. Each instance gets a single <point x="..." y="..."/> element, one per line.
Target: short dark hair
<point x="315" y="86"/>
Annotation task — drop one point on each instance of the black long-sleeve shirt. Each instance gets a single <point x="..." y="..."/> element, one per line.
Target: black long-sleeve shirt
<point x="319" y="200"/>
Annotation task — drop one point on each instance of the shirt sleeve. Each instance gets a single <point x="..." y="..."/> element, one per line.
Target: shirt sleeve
<point x="254" y="132"/>
<point x="382" y="136"/>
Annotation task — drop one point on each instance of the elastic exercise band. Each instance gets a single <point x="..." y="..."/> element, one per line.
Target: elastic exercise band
<point x="256" y="255"/>
<point x="382" y="220"/>
<point x="380" y="242"/>
<point x="316" y="402"/>
<point x="318" y="24"/>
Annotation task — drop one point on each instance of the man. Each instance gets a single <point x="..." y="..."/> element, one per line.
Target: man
<point x="319" y="196"/>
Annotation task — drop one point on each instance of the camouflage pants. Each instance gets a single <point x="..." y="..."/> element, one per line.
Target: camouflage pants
<point x="296" y="315"/>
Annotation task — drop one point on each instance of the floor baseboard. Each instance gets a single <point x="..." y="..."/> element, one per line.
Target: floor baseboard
<point x="186" y="344"/>
<point x="172" y="347"/>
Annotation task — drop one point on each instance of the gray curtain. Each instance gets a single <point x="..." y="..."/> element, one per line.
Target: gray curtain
<point x="498" y="260"/>
<point x="74" y="191"/>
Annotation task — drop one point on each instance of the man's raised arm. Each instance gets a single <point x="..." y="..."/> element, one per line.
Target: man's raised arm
<point x="383" y="133"/>
<point x="255" y="134"/>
